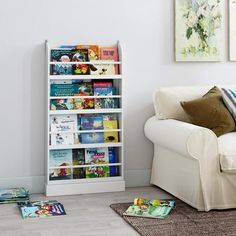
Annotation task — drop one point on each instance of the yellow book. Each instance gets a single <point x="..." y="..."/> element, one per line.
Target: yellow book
<point x="110" y="124"/>
<point x="111" y="137"/>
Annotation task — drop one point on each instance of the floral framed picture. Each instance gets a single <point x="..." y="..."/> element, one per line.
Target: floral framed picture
<point x="198" y="30"/>
<point x="232" y="30"/>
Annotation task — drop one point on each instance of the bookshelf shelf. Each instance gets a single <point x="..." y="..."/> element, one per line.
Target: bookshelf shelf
<point x="69" y="167"/>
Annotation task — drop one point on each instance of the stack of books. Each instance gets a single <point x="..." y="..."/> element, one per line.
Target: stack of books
<point x="13" y="195"/>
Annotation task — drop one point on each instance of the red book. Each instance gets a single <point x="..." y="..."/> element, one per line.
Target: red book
<point x="102" y="84"/>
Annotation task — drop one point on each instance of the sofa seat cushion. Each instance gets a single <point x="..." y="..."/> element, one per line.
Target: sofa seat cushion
<point x="227" y="151"/>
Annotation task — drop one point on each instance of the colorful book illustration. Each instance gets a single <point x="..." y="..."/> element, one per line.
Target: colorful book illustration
<point x="61" y="104"/>
<point x="64" y="89"/>
<point x="63" y="123"/>
<point x="149" y="210"/>
<point x="61" y="55"/>
<point x="105" y="103"/>
<point x="111" y="137"/>
<point x="96" y="155"/>
<point x="13" y="195"/>
<point x="83" y="103"/>
<point x="81" y="69"/>
<point x="92" y="137"/>
<point x="108" y="117"/>
<point x="103" y="91"/>
<point x="110" y="124"/>
<point x="112" y="159"/>
<point x="41" y="209"/>
<point x="80" y="55"/>
<point x="110" y="53"/>
<point x="85" y="89"/>
<point x="93" y="51"/>
<point x="102" y="84"/>
<point x="97" y="172"/>
<point x="78" y="159"/>
<point x="61" y="69"/>
<point x="91" y="122"/>
<point x="102" y="69"/>
<point x="63" y="139"/>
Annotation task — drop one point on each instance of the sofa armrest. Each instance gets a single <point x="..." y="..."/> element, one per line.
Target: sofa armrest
<point x="184" y="138"/>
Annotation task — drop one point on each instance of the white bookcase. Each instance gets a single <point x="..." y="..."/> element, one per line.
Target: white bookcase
<point x="85" y="185"/>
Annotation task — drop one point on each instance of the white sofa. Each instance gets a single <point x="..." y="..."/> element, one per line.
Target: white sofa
<point x="190" y="162"/>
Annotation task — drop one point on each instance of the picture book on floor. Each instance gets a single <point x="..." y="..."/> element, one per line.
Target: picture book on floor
<point x="150" y="208"/>
<point x="13" y="195"/>
<point x="41" y="209"/>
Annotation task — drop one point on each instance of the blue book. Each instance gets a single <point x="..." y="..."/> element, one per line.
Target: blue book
<point x="103" y="91"/>
<point x="92" y="137"/>
<point x="64" y="89"/>
<point x="112" y="159"/>
<point x="91" y="122"/>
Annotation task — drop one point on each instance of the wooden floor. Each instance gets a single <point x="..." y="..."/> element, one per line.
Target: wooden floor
<point x="86" y="215"/>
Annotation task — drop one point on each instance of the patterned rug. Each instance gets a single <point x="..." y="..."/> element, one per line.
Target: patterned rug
<point x="183" y="220"/>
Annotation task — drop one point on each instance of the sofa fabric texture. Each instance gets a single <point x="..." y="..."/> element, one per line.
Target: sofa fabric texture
<point x="210" y="112"/>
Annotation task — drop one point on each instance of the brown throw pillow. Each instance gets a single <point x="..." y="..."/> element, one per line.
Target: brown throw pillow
<point x="210" y="112"/>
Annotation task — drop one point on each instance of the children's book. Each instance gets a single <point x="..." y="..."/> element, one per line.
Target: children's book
<point x="112" y="159"/>
<point x="93" y="51"/>
<point x="97" y="172"/>
<point x="110" y="53"/>
<point x="64" y="90"/>
<point x="59" y="158"/>
<point x="92" y="137"/>
<point x="149" y="210"/>
<point x="62" y="139"/>
<point x="91" y="122"/>
<point x="102" y="69"/>
<point x="111" y="137"/>
<point x="110" y="124"/>
<point x="78" y="157"/>
<point x="108" y="117"/>
<point x="83" y="103"/>
<point x="60" y="173"/>
<point x="61" y="55"/>
<point x="102" y="84"/>
<point x="105" y="103"/>
<point x="13" y="195"/>
<point x="81" y="69"/>
<point x="61" y="104"/>
<point x="85" y="89"/>
<point x="61" y="69"/>
<point x="80" y="55"/>
<point x="79" y="173"/>
<point x="41" y="209"/>
<point x="103" y="91"/>
<point x="88" y="103"/>
<point x="96" y="155"/>
<point x="63" y="123"/>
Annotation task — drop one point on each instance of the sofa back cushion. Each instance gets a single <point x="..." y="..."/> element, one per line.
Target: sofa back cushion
<point x="167" y="101"/>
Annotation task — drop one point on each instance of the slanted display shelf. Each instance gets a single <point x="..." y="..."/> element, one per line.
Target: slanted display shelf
<point x="84" y="119"/>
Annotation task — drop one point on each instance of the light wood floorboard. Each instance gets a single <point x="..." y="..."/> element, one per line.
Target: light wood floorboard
<point x="87" y="215"/>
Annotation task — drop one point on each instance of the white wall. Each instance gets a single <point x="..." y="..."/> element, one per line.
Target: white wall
<point x="145" y="29"/>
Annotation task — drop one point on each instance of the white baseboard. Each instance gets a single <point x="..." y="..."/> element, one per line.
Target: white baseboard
<point x="35" y="184"/>
<point x="137" y="178"/>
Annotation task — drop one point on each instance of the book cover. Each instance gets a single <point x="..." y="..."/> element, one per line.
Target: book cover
<point x="62" y="139"/>
<point x="78" y="157"/>
<point x="150" y="211"/>
<point x="79" y="173"/>
<point x="78" y="103"/>
<point x="103" y="91"/>
<point x="105" y="103"/>
<point x="111" y="137"/>
<point x="90" y="122"/>
<point x="81" y="69"/>
<point x="88" y="103"/>
<point x="102" y="69"/>
<point x="61" y="55"/>
<point x="60" y="173"/>
<point x="102" y="84"/>
<point x="61" y="104"/>
<point x="107" y="117"/>
<point x="110" y="53"/>
<point x="92" y="137"/>
<point x="96" y="155"/>
<point x="97" y="172"/>
<point x="112" y="159"/>
<point x="63" y="123"/>
<point x="93" y="51"/>
<point x="41" y="209"/>
<point x="61" y="69"/>
<point x="80" y="55"/>
<point x="85" y="89"/>
<point x="59" y="158"/>
<point x="13" y="195"/>
<point x="110" y="124"/>
<point x="64" y="90"/>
